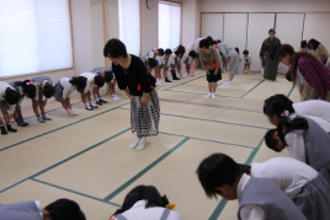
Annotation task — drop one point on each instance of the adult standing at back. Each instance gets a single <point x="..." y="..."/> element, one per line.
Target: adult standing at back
<point x="318" y="50"/>
<point x="267" y="54"/>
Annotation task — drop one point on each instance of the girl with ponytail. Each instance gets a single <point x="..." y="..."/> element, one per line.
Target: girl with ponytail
<point x="304" y="138"/>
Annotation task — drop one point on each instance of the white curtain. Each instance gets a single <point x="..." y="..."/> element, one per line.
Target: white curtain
<point x="169" y="24"/>
<point x="35" y="36"/>
<point x="129" y="25"/>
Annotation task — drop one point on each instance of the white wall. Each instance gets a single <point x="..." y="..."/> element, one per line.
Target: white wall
<point x="149" y="27"/>
<point x="82" y="37"/>
<point x="264" y="5"/>
<point x="97" y="33"/>
<point x="190" y="21"/>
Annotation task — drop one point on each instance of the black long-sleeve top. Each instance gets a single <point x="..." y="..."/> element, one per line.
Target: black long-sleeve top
<point x="136" y="78"/>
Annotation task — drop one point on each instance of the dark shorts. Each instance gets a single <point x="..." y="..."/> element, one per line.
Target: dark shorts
<point x="4" y="104"/>
<point x="212" y="77"/>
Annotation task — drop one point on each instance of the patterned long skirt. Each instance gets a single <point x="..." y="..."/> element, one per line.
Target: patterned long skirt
<point x="145" y="119"/>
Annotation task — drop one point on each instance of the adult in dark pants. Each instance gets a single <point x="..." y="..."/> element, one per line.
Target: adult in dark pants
<point x="267" y="55"/>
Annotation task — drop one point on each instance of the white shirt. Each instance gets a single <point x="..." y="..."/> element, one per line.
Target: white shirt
<point x="67" y="87"/>
<point x="248" y="212"/>
<point x="247" y="60"/>
<point x="195" y="45"/>
<point x="225" y="49"/>
<point x="296" y="146"/>
<point x="289" y="174"/>
<point x="90" y="81"/>
<point x="38" y="204"/>
<point x="139" y="212"/>
<point x="316" y="108"/>
<point x="170" y="62"/>
<point x="3" y="87"/>
<point x="295" y="142"/>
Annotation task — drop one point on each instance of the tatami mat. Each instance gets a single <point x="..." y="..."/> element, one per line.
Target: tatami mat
<point x="86" y="157"/>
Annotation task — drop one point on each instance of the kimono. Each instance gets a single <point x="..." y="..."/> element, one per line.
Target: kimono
<point x="268" y="48"/>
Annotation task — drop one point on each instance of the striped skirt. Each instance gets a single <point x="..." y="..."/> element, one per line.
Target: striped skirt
<point x="145" y="119"/>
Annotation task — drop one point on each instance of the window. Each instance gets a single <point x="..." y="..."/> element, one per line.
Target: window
<point x="169" y="24"/>
<point x="129" y="25"/>
<point x="35" y="36"/>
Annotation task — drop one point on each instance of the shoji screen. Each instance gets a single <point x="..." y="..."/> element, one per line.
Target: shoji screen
<point x="317" y="26"/>
<point x="258" y="27"/>
<point x="169" y="24"/>
<point x="289" y="29"/>
<point x="212" y="24"/>
<point x="129" y="24"/>
<point x="235" y="30"/>
<point x="35" y="36"/>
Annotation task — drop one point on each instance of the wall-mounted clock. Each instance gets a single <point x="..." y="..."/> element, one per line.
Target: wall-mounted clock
<point x="150" y="4"/>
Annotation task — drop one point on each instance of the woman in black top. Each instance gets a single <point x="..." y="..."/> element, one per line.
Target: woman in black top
<point x="139" y="86"/>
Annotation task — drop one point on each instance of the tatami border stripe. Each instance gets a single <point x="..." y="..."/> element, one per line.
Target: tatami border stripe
<point x="62" y="127"/>
<point x="145" y="170"/>
<point x="209" y="120"/>
<point x="210" y="105"/>
<point x="65" y="160"/>
<point x="253" y="88"/>
<point x="290" y="91"/>
<point x="206" y="140"/>
<point x="183" y="83"/>
<point x="202" y="94"/>
<point x="75" y="192"/>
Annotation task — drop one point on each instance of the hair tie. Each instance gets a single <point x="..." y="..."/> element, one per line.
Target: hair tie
<point x="29" y="83"/>
<point x="286" y="113"/>
<point x="170" y="206"/>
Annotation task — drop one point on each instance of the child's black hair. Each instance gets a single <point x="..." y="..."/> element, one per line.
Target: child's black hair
<point x="237" y="49"/>
<point x="303" y="44"/>
<point x="28" y="87"/>
<point x="79" y="82"/>
<point x="11" y="96"/>
<point x="272" y="30"/>
<point x="168" y="51"/>
<point x="99" y="81"/>
<point x="314" y="43"/>
<point x="108" y="76"/>
<point x="204" y="44"/>
<point x="65" y="209"/>
<point x="210" y="39"/>
<point x="192" y="54"/>
<point x="286" y="125"/>
<point x="180" y="50"/>
<point x="142" y="192"/>
<point x="114" y="48"/>
<point x="277" y="104"/>
<point x="217" y="170"/>
<point x="49" y="91"/>
<point x="270" y="141"/>
<point x="245" y="52"/>
<point x="161" y="51"/>
<point x="152" y="62"/>
<point x="215" y="42"/>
